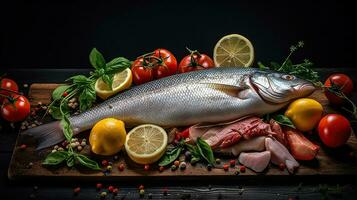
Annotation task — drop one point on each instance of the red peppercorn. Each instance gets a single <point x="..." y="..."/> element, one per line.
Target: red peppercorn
<point x="65" y="94"/>
<point x="161" y="168"/>
<point x="242" y="168"/>
<point x="165" y="191"/>
<point x="177" y="163"/>
<point x="110" y="188"/>
<point x="115" y="191"/>
<point x="141" y="187"/>
<point x="77" y="190"/>
<point x="225" y="167"/>
<point x="104" y="162"/>
<point x="121" y="167"/>
<point x="23" y="146"/>
<point x="232" y="163"/>
<point x="99" y="186"/>
<point x="282" y="166"/>
<point x="146" y="167"/>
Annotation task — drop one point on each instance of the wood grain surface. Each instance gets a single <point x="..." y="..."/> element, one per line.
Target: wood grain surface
<point x="329" y="162"/>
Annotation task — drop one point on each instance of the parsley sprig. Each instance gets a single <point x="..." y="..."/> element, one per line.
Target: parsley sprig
<point x="82" y="87"/>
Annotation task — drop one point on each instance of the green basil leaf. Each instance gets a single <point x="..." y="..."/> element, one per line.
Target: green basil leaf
<point x="58" y="92"/>
<point x="85" y="161"/>
<point x="283" y="120"/>
<point x="67" y="130"/>
<point x="262" y="66"/>
<point x="108" y="79"/>
<point x="96" y="59"/>
<point x="55" y="158"/>
<point x="56" y="113"/>
<point x="274" y="65"/>
<point x="193" y="150"/>
<point x="205" y="150"/>
<point x="87" y="97"/>
<point x="70" y="160"/>
<point x="170" y="156"/>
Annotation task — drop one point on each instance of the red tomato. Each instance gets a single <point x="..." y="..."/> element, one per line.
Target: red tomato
<point x="141" y="74"/>
<point x="341" y="81"/>
<point x="166" y="64"/>
<point x="334" y="130"/>
<point x="195" y="61"/>
<point x="15" y="110"/>
<point x="8" y="84"/>
<point x="155" y="65"/>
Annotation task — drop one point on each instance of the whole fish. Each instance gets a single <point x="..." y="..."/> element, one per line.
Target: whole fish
<point x="205" y="96"/>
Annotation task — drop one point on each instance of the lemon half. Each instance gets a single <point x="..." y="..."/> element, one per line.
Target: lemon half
<point x="121" y="81"/>
<point x="233" y="51"/>
<point x="146" y="143"/>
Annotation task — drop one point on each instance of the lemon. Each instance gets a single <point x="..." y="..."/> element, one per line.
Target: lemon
<point x="233" y="51"/>
<point x="121" y="81"/>
<point x="305" y="113"/>
<point x="146" y="143"/>
<point x="107" y="137"/>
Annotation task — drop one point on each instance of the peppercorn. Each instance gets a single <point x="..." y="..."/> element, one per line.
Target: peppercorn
<point x="110" y="188"/>
<point x="173" y="167"/>
<point x="177" y="163"/>
<point x="225" y="167"/>
<point x="121" y="167"/>
<point x="194" y="161"/>
<point x="242" y="168"/>
<point x="209" y="167"/>
<point x="103" y="194"/>
<point x="161" y="168"/>
<point x="182" y="165"/>
<point x="142" y="192"/>
<point x="110" y="163"/>
<point x="218" y="161"/>
<point x="236" y="172"/>
<point x="116" y="157"/>
<point x="109" y="168"/>
<point x="104" y="162"/>
<point x="23" y="146"/>
<point x="77" y="190"/>
<point x="232" y="163"/>
<point x="150" y="196"/>
<point x="187" y="155"/>
<point x="282" y="166"/>
<point x="146" y="167"/>
<point x="115" y="191"/>
<point x="141" y="187"/>
<point x="99" y="186"/>
<point x="65" y="94"/>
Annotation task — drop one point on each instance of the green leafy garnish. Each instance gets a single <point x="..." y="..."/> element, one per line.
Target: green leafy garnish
<point x="170" y="156"/>
<point x="56" y="158"/>
<point x="205" y="151"/>
<point x="283" y="120"/>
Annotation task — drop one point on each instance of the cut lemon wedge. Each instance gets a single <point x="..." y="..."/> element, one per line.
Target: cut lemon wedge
<point x="146" y="143"/>
<point x="233" y="51"/>
<point x="121" y="81"/>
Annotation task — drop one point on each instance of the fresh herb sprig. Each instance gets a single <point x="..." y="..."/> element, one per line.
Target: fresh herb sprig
<point x="84" y="88"/>
<point x="200" y="151"/>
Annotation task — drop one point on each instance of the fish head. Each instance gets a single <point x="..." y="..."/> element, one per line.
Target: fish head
<point x="276" y="87"/>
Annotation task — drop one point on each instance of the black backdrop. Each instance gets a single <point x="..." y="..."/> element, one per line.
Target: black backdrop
<point x="61" y="33"/>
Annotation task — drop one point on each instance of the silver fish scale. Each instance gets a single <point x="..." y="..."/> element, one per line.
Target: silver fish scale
<point x="179" y="100"/>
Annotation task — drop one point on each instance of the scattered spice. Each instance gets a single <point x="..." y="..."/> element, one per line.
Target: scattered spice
<point x="121" y="167"/>
<point x="141" y="187"/>
<point x="161" y="168"/>
<point x="23" y="146"/>
<point x="165" y="191"/>
<point x="99" y="186"/>
<point x="104" y="162"/>
<point x="225" y="167"/>
<point x="236" y="172"/>
<point x="76" y="190"/>
<point x="103" y="194"/>
<point x="111" y="188"/>
<point x="146" y="167"/>
<point x="188" y="155"/>
<point x="142" y="192"/>
<point x="218" y="161"/>
<point x="173" y="167"/>
<point x="177" y="163"/>
<point x="182" y="165"/>
<point x="242" y="168"/>
<point x="232" y="163"/>
<point x="109" y="168"/>
<point x="115" y="191"/>
<point x="116" y="157"/>
<point x="282" y="166"/>
<point x="150" y="196"/>
<point x="209" y="167"/>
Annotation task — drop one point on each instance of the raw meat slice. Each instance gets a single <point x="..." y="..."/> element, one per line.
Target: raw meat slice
<point x="254" y="144"/>
<point x="278" y="132"/>
<point x="257" y="161"/>
<point x="300" y="147"/>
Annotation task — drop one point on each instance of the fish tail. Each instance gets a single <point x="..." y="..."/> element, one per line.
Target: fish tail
<point x="46" y="135"/>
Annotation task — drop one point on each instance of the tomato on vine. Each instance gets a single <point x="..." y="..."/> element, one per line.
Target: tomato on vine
<point x="195" y="61"/>
<point x="340" y="83"/>
<point x="7" y="87"/>
<point x="15" y="108"/>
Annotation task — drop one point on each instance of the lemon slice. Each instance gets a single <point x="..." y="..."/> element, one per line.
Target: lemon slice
<point x="146" y="143"/>
<point x="233" y="51"/>
<point x="121" y="81"/>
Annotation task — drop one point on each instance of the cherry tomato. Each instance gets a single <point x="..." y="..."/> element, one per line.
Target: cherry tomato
<point x="141" y="73"/>
<point x="195" y="61"/>
<point x="155" y="65"/>
<point x="16" y="109"/>
<point x="166" y="64"/>
<point x="334" y="130"/>
<point x="341" y="81"/>
<point x="7" y="84"/>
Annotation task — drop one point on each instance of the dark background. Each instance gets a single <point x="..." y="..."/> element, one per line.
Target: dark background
<point x="60" y="34"/>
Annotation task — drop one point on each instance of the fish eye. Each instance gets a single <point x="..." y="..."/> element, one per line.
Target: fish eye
<point x="288" y="77"/>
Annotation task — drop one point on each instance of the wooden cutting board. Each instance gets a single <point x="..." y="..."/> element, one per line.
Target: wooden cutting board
<point x="328" y="161"/>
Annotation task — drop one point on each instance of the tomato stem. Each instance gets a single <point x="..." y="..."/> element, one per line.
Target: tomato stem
<point x="7" y="90"/>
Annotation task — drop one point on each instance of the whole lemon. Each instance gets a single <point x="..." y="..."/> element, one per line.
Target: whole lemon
<point x="107" y="137"/>
<point x="305" y="113"/>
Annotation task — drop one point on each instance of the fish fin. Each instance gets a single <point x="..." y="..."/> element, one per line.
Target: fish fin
<point x="227" y="89"/>
<point x="210" y="125"/>
<point x="46" y="135"/>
